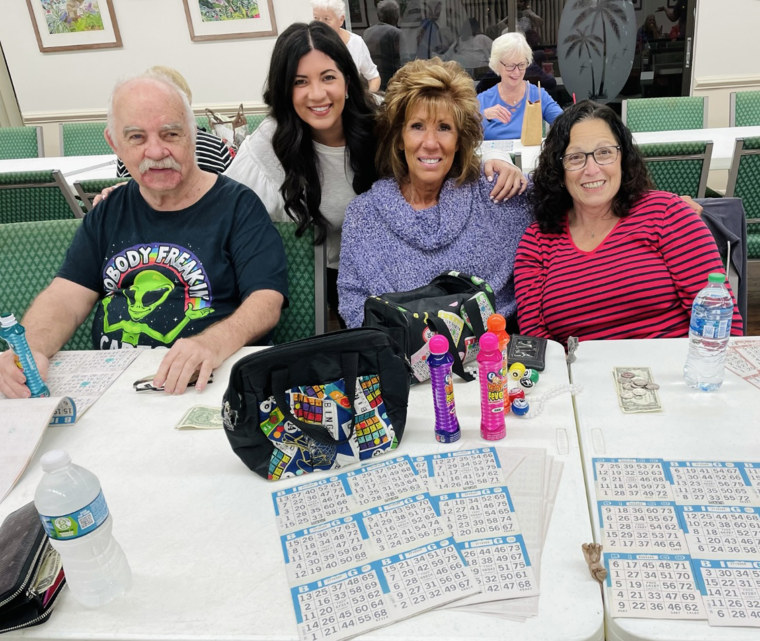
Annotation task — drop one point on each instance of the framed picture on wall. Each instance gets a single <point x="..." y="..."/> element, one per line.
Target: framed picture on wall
<point x="222" y="21"/>
<point x="357" y="11"/>
<point x="65" y="25"/>
<point x="637" y="5"/>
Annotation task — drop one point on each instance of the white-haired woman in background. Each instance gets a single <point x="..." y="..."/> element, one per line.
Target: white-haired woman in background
<point x="333" y="14"/>
<point x="503" y="105"/>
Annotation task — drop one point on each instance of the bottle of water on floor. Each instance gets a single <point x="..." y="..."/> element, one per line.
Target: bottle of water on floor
<point x="75" y="516"/>
<point x="13" y="333"/>
<point x="709" y="331"/>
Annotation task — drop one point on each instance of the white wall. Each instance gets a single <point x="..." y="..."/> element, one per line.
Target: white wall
<point x="76" y="84"/>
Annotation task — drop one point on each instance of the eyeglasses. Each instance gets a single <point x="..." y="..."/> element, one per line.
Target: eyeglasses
<point x="522" y="66"/>
<point x="602" y="156"/>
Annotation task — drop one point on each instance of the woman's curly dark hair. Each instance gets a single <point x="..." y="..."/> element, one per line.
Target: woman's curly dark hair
<point x="550" y="198"/>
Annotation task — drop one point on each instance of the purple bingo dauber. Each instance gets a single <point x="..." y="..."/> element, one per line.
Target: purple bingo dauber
<point x="446" y="422"/>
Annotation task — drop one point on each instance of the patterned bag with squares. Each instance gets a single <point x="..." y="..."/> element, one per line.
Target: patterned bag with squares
<point x="318" y="403"/>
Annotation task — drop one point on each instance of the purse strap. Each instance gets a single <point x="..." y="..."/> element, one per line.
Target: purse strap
<point x="439" y="326"/>
<point x="280" y="378"/>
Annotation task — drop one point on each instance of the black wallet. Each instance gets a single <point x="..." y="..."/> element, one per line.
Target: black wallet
<point x="528" y="350"/>
<point x="31" y="576"/>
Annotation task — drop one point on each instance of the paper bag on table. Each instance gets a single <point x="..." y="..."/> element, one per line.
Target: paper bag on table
<point x="532" y="121"/>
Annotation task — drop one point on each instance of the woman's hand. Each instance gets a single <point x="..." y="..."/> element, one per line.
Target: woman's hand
<point x="104" y="194"/>
<point x="510" y="181"/>
<point x="498" y="112"/>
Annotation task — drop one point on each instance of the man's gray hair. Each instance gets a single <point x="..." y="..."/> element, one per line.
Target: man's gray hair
<point x="158" y="77"/>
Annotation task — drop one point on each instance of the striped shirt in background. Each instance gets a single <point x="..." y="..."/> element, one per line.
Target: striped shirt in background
<point x="211" y="152"/>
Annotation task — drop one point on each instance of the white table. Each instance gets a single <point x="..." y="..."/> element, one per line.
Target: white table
<point x="693" y="425"/>
<point x="723" y="139"/>
<point x="73" y="168"/>
<point x="198" y="527"/>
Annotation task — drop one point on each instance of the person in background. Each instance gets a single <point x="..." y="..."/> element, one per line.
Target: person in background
<point x="608" y="257"/>
<point x="433" y="39"/>
<point x="432" y="210"/>
<point x="333" y="14"/>
<point x="178" y="257"/>
<point x="383" y="41"/>
<point x="211" y="151"/>
<point x="528" y="19"/>
<point x="648" y="32"/>
<point x="503" y="105"/>
<point x="472" y="48"/>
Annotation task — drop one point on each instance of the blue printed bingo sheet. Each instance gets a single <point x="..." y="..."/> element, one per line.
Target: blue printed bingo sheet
<point x="388" y="540"/>
<point x="365" y="548"/>
<point x="699" y="538"/>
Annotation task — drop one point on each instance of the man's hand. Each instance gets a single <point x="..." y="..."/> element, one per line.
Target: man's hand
<point x="498" y="112"/>
<point x="187" y="356"/>
<point x="510" y="181"/>
<point x="12" y="379"/>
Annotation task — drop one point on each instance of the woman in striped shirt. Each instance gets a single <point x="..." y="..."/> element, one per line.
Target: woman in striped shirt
<point x="608" y="257"/>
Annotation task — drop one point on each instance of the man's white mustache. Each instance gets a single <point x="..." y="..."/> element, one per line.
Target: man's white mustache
<point x="165" y="163"/>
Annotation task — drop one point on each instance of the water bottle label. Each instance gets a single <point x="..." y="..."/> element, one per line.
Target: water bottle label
<point x="715" y="329"/>
<point x="76" y="524"/>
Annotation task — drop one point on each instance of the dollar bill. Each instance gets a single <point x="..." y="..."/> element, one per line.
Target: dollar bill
<point x="201" y="417"/>
<point x="636" y="390"/>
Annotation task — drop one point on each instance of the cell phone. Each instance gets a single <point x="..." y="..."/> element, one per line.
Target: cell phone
<point x="528" y="350"/>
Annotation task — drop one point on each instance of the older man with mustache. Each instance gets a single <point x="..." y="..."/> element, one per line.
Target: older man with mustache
<point x="179" y="257"/>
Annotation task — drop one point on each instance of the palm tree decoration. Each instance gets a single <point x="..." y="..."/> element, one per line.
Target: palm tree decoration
<point x="611" y="15"/>
<point x="581" y="42"/>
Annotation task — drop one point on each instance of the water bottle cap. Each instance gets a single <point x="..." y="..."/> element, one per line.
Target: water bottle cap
<point x="716" y="277"/>
<point x="54" y="460"/>
<point x="438" y="344"/>
<point x="496" y="323"/>
<point x="7" y="320"/>
<point x="488" y="342"/>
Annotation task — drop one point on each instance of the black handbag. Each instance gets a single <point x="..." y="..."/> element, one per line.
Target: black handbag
<point x="454" y="304"/>
<point x="317" y="404"/>
<point x="31" y="577"/>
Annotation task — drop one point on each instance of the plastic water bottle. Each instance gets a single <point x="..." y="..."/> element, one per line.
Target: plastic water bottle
<point x="492" y="426"/>
<point x="14" y="334"/>
<point x="446" y="423"/>
<point x="709" y="331"/>
<point x="497" y="324"/>
<point x="75" y="516"/>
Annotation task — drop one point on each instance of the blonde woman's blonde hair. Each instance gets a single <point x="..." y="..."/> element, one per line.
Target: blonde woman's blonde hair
<point x="438" y="87"/>
<point x="175" y="76"/>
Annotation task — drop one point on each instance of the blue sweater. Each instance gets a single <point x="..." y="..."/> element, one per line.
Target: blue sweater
<point x="497" y="130"/>
<point x="388" y="246"/>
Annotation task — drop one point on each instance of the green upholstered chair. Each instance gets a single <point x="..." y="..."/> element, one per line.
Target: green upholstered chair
<point x="307" y="312"/>
<point x="665" y="114"/>
<point x="253" y="121"/>
<point x="30" y="256"/>
<point x="744" y="182"/>
<point x="88" y="189"/>
<point x="83" y="139"/>
<point x="36" y="195"/>
<point x="744" y="108"/>
<point x="679" y="167"/>
<point x="20" y="142"/>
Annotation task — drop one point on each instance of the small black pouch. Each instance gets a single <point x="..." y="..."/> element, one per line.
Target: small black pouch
<point x="318" y="403"/>
<point x="31" y="576"/>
